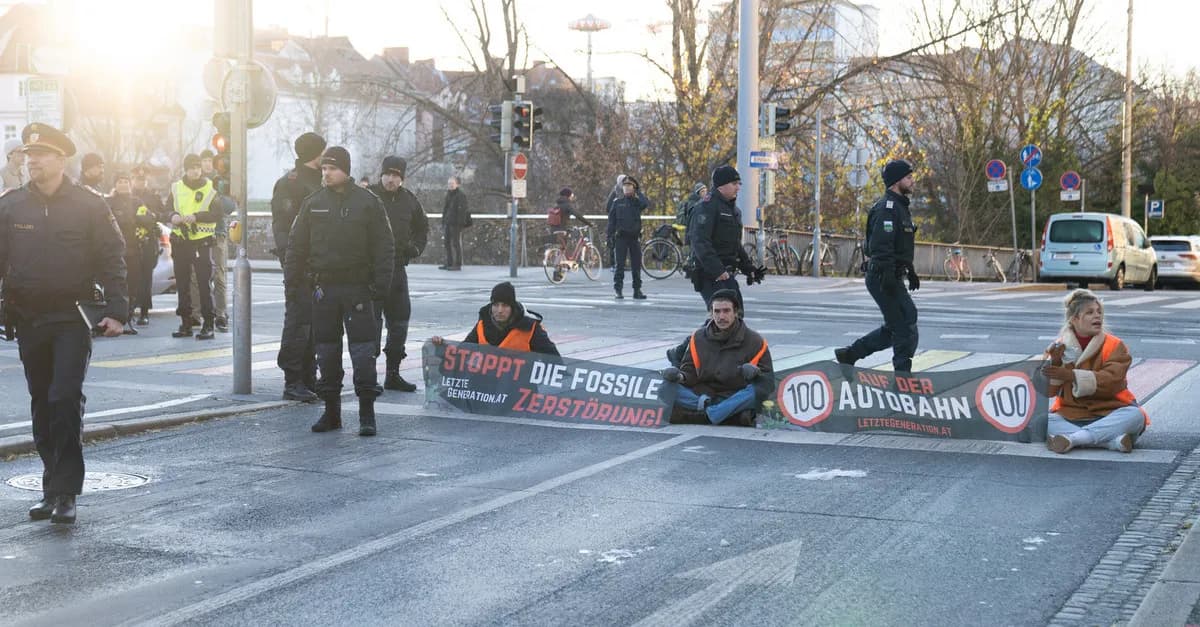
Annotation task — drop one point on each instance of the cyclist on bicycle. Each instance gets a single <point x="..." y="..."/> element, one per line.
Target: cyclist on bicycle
<point x="566" y="207"/>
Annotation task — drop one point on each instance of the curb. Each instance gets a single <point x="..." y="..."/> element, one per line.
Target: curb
<point x="21" y="444"/>
<point x="1174" y="595"/>
<point x="1034" y="287"/>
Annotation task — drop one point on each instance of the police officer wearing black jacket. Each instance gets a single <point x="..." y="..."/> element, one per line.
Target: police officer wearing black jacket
<point x="57" y="239"/>
<point x="410" y="231"/>
<point x="625" y="233"/>
<point x="889" y="246"/>
<point x="342" y="242"/>
<point x="715" y="233"/>
<point x="296" y="351"/>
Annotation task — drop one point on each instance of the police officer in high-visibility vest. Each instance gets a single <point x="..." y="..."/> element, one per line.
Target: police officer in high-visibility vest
<point x="889" y="246"/>
<point x="193" y="224"/>
<point x="505" y="323"/>
<point x="341" y="245"/>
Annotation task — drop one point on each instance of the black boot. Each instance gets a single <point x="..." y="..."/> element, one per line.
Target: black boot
<point x="619" y="295"/>
<point x="366" y="416"/>
<point x="185" y="328"/>
<point x="206" y="331"/>
<point x="64" y="510"/>
<point x="144" y="319"/>
<point x="43" y="508"/>
<point x="393" y="381"/>
<point x="223" y="324"/>
<point x="332" y="418"/>
<point x="844" y="356"/>
<point x="297" y="391"/>
<point x="637" y="294"/>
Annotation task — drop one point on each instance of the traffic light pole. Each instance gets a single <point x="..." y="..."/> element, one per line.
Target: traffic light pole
<point x="242" y="28"/>
<point x="518" y="98"/>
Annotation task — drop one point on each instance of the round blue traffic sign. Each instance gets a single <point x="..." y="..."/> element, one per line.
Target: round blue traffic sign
<point x="1069" y="180"/>
<point x="1031" y="178"/>
<point x="1031" y="156"/>
<point x="996" y="169"/>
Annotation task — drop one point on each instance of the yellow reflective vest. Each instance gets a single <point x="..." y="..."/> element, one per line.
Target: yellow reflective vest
<point x="190" y="201"/>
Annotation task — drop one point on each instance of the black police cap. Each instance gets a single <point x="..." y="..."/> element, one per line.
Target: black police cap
<point x="40" y="136"/>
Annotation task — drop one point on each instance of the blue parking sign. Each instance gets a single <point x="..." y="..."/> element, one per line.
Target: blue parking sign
<point x="1155" y="210"/>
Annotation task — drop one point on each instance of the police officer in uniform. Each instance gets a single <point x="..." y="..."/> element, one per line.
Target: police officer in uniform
<point x="343" y="241"/>
<point x="193" y="202"/>
<point x="296" y="353"/>
<point x="57" y="239"/>
<point x="149" y="214"/>
<point x="715" y="233"/>
<point x="410" y="230"/>
<point x="889" y="247"/>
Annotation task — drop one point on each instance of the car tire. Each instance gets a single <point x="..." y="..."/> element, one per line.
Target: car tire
<point x="1118" y="281"/>
<point x="1153" y="282"/>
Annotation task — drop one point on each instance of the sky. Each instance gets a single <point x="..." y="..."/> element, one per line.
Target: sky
<point x="1163" y="29"/>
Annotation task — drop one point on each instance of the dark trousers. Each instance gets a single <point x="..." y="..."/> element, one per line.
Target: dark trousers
<point x="55" y="357"/>
<point x="899" y="330"/>
<point x="193" y="261"/>
<point x="710" y="287"/>
<point x="395" y="313"/>
<point x="348" y="309"/>
<point x="453" y="241"/>
<point x="297" y="354"/>
<point x="142" y="286"/>
<point x="627" y="246"/>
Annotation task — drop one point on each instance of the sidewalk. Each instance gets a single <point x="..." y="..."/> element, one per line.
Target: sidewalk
<point x="1174" y="600"/>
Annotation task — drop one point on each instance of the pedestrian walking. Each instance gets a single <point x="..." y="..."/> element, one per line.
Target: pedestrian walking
<point x="13" y="174"/>
<point x="342" y="239"/>
<point x="889" y="246"/>
<point x="91" y="172"/>
<point x="410" y="233"/>
<point x="1092" y="404"/>
<point x="715" y="234"/>
<point x="57" y="240"/>
<point x="297" y="354"/>
<point x="134" y="221"/>
<point x="625" y="232"/>
<point x="456" y="216"/>
<point x="193" y="224"/>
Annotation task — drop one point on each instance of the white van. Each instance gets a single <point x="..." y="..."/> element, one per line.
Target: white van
<point x="1096" y="248"/>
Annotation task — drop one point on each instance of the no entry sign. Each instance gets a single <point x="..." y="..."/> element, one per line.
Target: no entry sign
<point x="520" y="166"/>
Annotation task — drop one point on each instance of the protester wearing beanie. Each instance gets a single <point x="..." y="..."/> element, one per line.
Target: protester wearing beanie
<point x="342" y="239"/>
<point x="296" y="352"/>
<point x="505" y="323"/>
<point x="889" y="246"/>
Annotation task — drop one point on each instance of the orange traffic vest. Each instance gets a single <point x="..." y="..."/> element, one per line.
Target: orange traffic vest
<point x="1125" y="396"/>
<point x="696" y="356"/>
<point x="516" y="340"/>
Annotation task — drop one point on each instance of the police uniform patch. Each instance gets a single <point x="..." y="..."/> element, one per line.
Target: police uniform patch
<point x="702" y="218"/>
<point x="887" y="226"/>
<point x="889" y="204"/>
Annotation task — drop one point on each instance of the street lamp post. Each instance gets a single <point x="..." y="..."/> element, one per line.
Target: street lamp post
<point x="589" y="24"/>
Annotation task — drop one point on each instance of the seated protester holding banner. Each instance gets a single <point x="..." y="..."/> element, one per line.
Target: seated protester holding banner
<point x="505" y="323"/>
<point x="726" y="371"/>
<point x="1092" y="404"/>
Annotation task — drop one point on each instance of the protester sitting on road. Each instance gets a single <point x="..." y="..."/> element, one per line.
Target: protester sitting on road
<point x="505" y="323"/>
<point x="1092" y="404"/>
<point x="726" y="372"/>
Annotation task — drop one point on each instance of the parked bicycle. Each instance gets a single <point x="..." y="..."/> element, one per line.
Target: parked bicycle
<point x="955" y="266"/>
<point x="781" y="257"/>
<point x="1020" y="269"/>
<point x="993" y="265"/>
<point x="569" y="255"/>
<point x="857" y="257"/>
<point x="664" y="253"/>
<point x="829" y="260"/>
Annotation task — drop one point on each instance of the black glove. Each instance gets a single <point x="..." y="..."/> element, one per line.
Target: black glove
<point x="412" y="252"/>
<point x="760" y="273"/>
<point x="672" y="374"/>
<point x="914" y="281"/>
<point x="750" y="372"/>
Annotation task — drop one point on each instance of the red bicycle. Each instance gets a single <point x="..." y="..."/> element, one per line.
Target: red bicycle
<point x="570" y="254"/>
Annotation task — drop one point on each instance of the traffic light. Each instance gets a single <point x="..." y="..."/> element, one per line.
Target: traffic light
<point x="220" y="140"/>
<point x="501" y="119"/>
<point x="526" y="119"/>
<point x="776" y="119"/>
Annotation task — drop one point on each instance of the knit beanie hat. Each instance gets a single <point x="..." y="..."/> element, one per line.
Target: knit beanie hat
<point x="565" y="192"/>
<point x="724" y="174"/>
<point x="309" y="146"/>
<point x="337" y="157"/>
<point x="191" y="161"/>
<point x="505" y="293"/>
<point x="895" y="170"/>
<point x="394" y="165"/>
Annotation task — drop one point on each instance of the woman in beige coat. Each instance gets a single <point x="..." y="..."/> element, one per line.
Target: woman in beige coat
<point x="1092" y="403"/>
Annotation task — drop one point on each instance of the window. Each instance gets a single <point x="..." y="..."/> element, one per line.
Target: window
<point x="1077" y="231"/>
<point x="1172" y="246"/>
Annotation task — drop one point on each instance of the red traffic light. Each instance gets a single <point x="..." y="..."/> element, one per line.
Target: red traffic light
<point x="220" y="143"/>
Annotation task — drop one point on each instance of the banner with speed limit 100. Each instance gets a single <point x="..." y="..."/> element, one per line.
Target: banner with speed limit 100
<point x="990" y="403"/>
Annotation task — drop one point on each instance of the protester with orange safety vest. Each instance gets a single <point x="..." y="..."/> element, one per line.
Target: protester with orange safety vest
<point x="505" y="323"/>
<point x="726" y="372"/>
<point x="1092" y="404"/>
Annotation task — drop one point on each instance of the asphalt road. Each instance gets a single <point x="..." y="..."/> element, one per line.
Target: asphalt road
<point x="453" y="519"/>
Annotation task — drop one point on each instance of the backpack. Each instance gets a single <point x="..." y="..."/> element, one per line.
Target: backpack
<point x="554" y="216"/>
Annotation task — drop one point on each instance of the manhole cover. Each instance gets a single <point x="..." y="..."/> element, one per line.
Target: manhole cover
<point x="92" y="481"/>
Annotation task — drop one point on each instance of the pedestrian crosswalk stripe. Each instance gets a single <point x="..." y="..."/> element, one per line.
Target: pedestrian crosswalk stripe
<point x="930" y="359"/>
<point x="823" y="353"/>
<point x="1189" y="304"/>
<point x="1152" y="374"/>
<point x="1002" y="296"/>
<point x="1139" y="300"/>
<point x="173" y="358"/>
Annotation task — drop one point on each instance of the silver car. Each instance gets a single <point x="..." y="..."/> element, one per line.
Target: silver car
<point x="1178" y="258"/>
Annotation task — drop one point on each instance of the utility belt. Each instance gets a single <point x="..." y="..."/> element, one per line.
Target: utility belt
<point x="28" y="304"/>
<point x="341" y="277"/>
<point x="900" y="267"/>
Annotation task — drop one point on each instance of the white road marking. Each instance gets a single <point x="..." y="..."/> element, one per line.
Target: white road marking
<point x="123" y="410"/>
<point x="962" y="336"/>
<point x="1190" y="304"/>
<point x="1178" y="340"/>
<point x="1139" y="300"/>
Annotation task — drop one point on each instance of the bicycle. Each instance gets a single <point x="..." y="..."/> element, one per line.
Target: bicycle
<point x="857" y="256"/>
<point x="993" y="264"/>
<point x="562" y="257"/>
<point x="1020" y="269"/>
<point x="662" y="255"/>
<point x="829" y="259"/>
<point x="955" y="266"/>
<point x="782" y="257"/>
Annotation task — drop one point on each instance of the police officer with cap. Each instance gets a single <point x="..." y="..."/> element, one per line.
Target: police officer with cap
<point x="57" y="240"/>
<point x="296" y="353"/>
<point x="890" y="241"/>
<point x="715" y="233"/>
<point x="341" y="244"/>
<point x="410" y="230"/>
